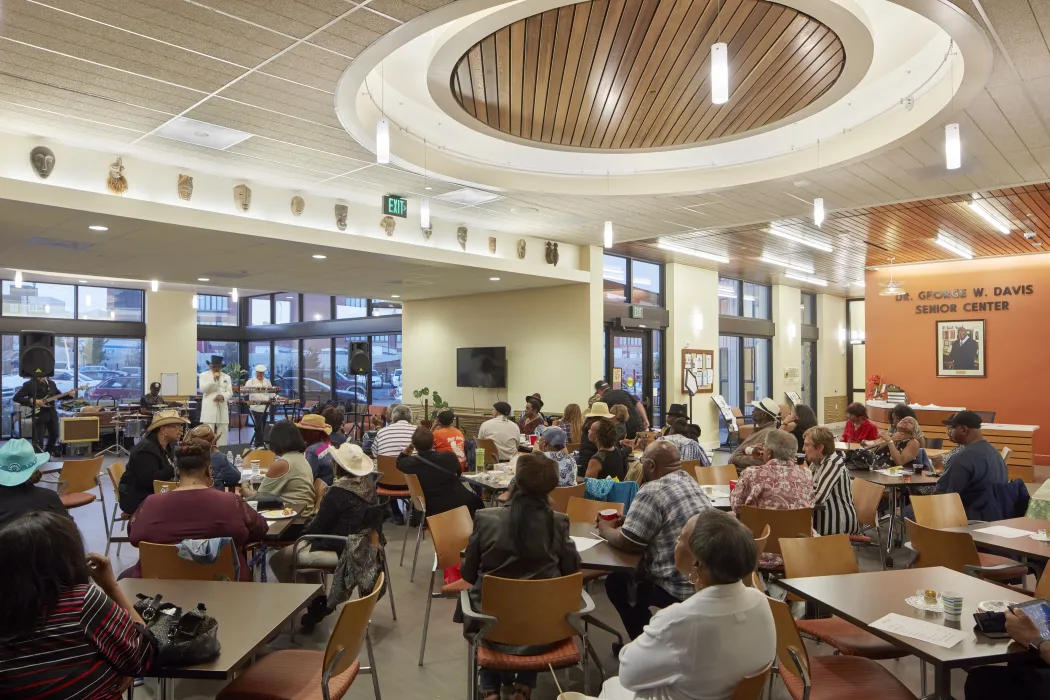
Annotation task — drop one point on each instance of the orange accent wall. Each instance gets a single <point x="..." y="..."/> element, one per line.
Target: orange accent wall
<point x="902" y="344"/>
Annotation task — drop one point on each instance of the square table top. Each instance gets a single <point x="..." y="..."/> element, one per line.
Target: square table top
<point x="603" y="555"/>
<point x="1025" y="546"/>
<point x="248" y="615"/>
<point x="894" y="481"/>
<point x="864" y="598"/>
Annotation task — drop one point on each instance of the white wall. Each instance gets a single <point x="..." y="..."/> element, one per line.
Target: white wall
<point x="548" y="334"/>
<point x="787" y="343"/>
<point x="692" y="301"/>
<point x="831" y="350"/>
<point x="171" y="338"/>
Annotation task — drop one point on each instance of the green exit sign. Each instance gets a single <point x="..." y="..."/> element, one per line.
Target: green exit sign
<point x="395" y="206"/>
<point x="636" y="312"/>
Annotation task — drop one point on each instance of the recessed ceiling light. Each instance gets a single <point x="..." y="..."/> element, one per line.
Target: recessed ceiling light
<point x="82" y="281"/>
<point x="395" y="296"/>
<point x="320" y="257"/>
<point x="429" y="187"/>
<point x="204" y="279"/>
<point x="99" y="228"/>
<point x="493" y="279"/>
<point x="201" y="133"/>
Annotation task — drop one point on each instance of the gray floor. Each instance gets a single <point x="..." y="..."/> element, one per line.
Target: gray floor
<point x="444" y="673"/>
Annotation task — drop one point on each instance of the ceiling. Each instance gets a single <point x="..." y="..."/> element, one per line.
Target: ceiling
<point x="107" y="74"/>
<point x="614" y="74"/>
<point x="53" y="239"/>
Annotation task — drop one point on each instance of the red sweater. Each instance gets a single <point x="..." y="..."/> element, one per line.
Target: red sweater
<point x="866" y="431"/>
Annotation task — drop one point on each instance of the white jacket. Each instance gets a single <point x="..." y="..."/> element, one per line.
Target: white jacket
<point x="213" y="411"/>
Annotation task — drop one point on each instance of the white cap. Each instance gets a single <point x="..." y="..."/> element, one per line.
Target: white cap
<point x="260" y="368"/>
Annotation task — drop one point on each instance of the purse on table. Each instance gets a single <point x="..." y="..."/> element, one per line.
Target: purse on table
<point x="183" y="638"/>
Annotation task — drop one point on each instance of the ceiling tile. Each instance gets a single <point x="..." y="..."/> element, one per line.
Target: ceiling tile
<point x="309" y="65"/>
<point x="295" y="100"/>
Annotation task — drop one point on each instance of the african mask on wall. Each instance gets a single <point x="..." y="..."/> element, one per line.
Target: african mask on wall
<point x="242" y="195"/>
<point x="428" y="231"/>
<point x="341" y="212"/>
<point x="492" y="245"/>
<point x="521" y="249"/>
<point x="298" y="205"/>
<point x="552" y="253"/>
<point x="388" y="224"/>
<point x="42" y="159"/>
<point x="185" y="187"/>
<point x="116" y="182"/>
<point x="461" y="237"/>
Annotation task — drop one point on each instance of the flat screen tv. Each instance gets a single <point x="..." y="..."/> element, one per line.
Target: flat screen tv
<point x="483" y="368"/>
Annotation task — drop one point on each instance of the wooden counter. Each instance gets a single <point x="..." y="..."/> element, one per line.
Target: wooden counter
<point x="1018" y="438"/>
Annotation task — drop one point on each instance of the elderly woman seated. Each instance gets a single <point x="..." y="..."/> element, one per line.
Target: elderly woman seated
<point x="900" y="448"/>
<point x="705" y="645"/>
<point x="833" y="512"/>
<point x="779" y="483"/>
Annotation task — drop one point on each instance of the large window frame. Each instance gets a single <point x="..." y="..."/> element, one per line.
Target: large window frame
<point x="735" y="289"/>
<point x="76" y="300"/>
<point x="628" y="297"/>
<point x="374" y="308"/>
<point x="732" y="374"/>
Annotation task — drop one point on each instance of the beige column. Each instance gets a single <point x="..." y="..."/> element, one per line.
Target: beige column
<point x="787" y="343"/>
<point x="831" y="358"/>
<point x="171" y="338"/>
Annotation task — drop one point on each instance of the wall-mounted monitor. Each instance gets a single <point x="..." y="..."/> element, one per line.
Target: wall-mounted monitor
<point x="483" y="368"/>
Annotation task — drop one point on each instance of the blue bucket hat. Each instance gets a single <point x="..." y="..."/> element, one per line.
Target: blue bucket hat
<point x="555" y="437"/>
<point x="18" y="462"/>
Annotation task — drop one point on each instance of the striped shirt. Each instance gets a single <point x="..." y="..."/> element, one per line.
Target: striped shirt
<point x="86" y="649"/>
<point x="688" y="449"/>
<point x="393" y="438"/>
<point x="833" y="511"/>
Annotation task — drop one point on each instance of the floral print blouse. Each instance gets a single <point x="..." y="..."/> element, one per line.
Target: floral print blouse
<point x="777" y="484"/>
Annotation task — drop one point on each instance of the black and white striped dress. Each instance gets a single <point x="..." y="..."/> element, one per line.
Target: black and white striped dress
<point x="833" y="511"/>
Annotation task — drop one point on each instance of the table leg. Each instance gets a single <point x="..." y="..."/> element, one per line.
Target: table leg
<point x="942" y="682"/>
<point x="893" y="518"/>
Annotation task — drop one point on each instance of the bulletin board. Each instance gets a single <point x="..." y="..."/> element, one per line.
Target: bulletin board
<point x="702" y="363"/>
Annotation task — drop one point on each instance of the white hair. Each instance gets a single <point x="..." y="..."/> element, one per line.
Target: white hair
<point x="400" y="411"/>
<point x="781" y="445"/>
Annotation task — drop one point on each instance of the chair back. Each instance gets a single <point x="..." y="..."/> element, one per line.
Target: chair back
<point x="390" y="474"/>
<point x="783" y="524"/>
<point x="939" y="511"/>
<point x="953" y="550"/>
<point x="1042" y="589"/>
<point x="719" y="475"/>
<point x="450" y="532"/>
<point x="79" y="475"/>
<point x="689" y="466"/>
<point x="934" y="443"/>
<point x="756" y="582"/>
<point x="866" y="499"/>
<point x="416" y="490"/>
<point x="560" y="496"/>
<point x="761" y="541"/>
<point x="831" y="555"/>
<point x="751" y="687"/>
<point x="491" y="451"/>
<point x="320" y="488"/>
<point x="158" y="485"/>
<point x="162" y="561"/>
<point x="348" y="635"/>
<point x="266" y="459"/>
<point x="531" y="611"/>
<point x="582" y="510"/>
<point x="787" y="637"/>
<point x="115" y="472"/>
<point x="571" y="447"/>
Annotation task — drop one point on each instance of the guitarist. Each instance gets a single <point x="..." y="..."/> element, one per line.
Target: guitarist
<point x="46" y="413"/>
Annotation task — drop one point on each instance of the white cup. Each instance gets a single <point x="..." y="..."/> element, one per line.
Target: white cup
<point x="572" y="695"/>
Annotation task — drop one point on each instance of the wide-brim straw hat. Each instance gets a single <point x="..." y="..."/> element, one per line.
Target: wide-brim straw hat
<point x="351" y="459"/>
<point x="600" y="409"/>
<point x="162" y="418"/>
<point x="316" y="422"/>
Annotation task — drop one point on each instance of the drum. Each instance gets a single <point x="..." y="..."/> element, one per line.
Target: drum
<point x="135" y="428"/>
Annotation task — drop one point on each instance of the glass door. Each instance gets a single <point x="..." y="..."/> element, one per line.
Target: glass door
<point x="809" y="373"/>
<point x="631" y="360"/>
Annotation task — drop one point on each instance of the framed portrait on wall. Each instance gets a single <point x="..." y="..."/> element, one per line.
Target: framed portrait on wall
<point x="960" y="349"/>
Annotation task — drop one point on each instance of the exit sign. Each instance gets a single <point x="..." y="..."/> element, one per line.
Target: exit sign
<point x="395" y="206"/>
<point x="636" y="312"/>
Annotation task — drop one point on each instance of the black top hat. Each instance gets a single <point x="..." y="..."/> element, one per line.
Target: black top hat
<point x="678" y="409"/>
<point x="216" y="360"/>
<point x="535" y="398"/>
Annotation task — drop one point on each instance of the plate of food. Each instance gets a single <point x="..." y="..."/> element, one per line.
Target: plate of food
<point x="278" y="514"/>
<point x="999" y="606"/>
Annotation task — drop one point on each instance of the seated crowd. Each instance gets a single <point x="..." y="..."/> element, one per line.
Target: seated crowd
<point x="694" y="625"/>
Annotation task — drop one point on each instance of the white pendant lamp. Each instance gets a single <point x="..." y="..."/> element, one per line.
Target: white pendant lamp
<point x="195" y="302"/>
<point x="952" y="147"/>
<point x="18" y="278"/>
<point x="233" y="294"/>
<point x="818" y="211"/>
<point x="382" y="142"/>
<point x="719" y="73"/>
<point x="154" y="285"/>
<point x="608" y="234"/>
<point x="424" y="213"/>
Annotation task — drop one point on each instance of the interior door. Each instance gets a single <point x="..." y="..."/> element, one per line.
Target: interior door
<point x="630" y="352"/>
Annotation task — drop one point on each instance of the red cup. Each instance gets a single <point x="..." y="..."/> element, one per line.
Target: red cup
<point x="732" y="485"/>
<point x="532" y="439"/>
<point x="608" y="514"/>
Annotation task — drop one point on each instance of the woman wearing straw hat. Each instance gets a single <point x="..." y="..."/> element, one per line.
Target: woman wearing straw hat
<point x="19" y="473"/>
<point x="598" y="409"/>
<point x="153" y="459"/>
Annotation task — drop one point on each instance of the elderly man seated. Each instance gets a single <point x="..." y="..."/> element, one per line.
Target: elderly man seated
<point x="669" y="497"/>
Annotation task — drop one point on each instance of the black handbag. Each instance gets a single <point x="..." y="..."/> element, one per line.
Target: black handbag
<point x="860" y="460"/>
<point x="183" y="638"/>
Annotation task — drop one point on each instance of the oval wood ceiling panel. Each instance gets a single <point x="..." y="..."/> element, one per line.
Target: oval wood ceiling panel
<point x="617" y="74"/>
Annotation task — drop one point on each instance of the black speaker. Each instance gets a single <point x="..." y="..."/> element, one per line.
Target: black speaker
<point x="360" y="364"/>
<point x="37" y="354"/>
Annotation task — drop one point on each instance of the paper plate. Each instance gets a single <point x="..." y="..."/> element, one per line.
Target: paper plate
<point x="920" y="603"/>
<point x="275" y="514"/>
<point x="993" y="606"/>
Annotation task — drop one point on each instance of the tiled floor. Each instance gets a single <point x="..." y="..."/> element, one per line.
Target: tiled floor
<point x="444" y="673"/>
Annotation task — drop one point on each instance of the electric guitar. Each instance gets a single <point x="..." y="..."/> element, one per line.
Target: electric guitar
<point x="43" y="403"/>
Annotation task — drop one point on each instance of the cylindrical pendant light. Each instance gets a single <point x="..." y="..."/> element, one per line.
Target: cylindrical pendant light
<point x="154" y="285"/>
<point x="233" y="294"/>
<point x="382" y="142"/>
<point x="818" y="211"/>
<point x="719" y="73"/>
<point x="424" y="213"/>
<point x="952" y="147"/>
<point x="18" y="278"/>
<point x="608" y="234"/>
<point x="195" y="302"/>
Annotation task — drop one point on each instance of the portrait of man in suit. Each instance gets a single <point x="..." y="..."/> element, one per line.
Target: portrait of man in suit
<point x="961" y="348"/>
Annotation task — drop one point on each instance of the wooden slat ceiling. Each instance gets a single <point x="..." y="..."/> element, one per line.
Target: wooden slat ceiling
<point x="618" y="74"/>
<point x="870" y="236"/>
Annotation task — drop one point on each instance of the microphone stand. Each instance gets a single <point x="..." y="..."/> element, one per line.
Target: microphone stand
<point x="33" y="419"/>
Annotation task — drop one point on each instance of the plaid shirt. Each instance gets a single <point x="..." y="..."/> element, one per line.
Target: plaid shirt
<point x="657" y="516"/>
<point x="688" y="449"/>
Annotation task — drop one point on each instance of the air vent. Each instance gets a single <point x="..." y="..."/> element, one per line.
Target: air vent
<point x="202" y="133"/>
<point x="57" y="243"/>
<point x="468" y="197"/>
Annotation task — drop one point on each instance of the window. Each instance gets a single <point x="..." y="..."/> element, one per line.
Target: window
<point x="259" y="311"/>
<point x="216" y="310"/>
<point x="386" y="369"/>
<point x="382" y="307"/>
<point x="809" y="373"/>
<point x="645" y="283"/>
<point x="745" y="372"/>
<point x="809" y="309"/>
<point x="38" y="300"/>
<point x="230" y="351"/>
<point x="107" y="304"/>
<point x="10" y="382"/>
<point x="285" y="308"/>
<point x="747" y="299"/>
<point x="758" y="363"/>
<point x="728" y="297"/>
<point x="657" y="407"/>
<point x="352" y="388"/>
<point x="317" y="307"/>
<point x="286" y="366"/>
<point x="614" y="274"/>
<point x="259" y="354"/>
<point x="350" y="307"/>
<point x="756" y="300"/>
<point x="117" y="359"/>
<point x="317" y="370"/>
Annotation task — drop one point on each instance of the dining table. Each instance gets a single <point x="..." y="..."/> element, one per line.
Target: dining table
<point x="600" y="555"/>
<point x="894" y="481"/>
<point x="1011" y="537"/>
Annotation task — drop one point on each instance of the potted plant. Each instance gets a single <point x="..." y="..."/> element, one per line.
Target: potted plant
<point x="238" y="375"/>
<point x="439" y="405"/>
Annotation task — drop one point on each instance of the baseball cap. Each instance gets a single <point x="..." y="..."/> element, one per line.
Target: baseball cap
<point x="502" y="407"/>
<point x="967" y="419"/>
<point x="601" y="384"/>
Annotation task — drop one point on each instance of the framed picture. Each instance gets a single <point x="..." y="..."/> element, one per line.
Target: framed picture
<point x="961" y="349"/>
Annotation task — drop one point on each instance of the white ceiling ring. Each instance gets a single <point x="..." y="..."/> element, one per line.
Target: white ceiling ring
<point x="910" y="38"/>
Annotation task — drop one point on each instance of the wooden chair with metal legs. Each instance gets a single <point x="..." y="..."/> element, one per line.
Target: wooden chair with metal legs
<point x="418" y="500"/>
<point x="162" y="561"/>
<point x="718" y="475"/>
<point x="583" y="510"/>
<point x="782" y="524"/>
<point x="690" y="466"/>
<point x="292" y="674"/>
<point x="957" y="551"/>
<point x="115" y="471"/>
<point x="528" y="612"/>
<point x="944" y="510"/>
<point x="491" y="451"/>
<point x="866" y="499"/>
<point x="833" y="677"/>
<point x="162" y="486"/>
<point x="752" y="687"/>
<point x="450" y="532"/>
<point x="392" y="485"/>
<point x="755" y="580"/>
<point x="560" y="496"/>
<point x="75" y="482"/>
<point x="266" y="459"/>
